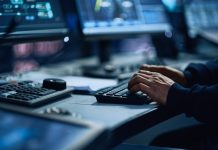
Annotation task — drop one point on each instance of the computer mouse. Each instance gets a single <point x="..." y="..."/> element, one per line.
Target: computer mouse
<point x="56" y="111"/>
<point x="55" y="84"/>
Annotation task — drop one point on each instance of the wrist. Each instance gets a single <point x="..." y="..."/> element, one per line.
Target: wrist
<point x="184" y="81"/>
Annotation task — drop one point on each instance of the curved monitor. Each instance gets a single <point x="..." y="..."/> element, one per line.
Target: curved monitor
<point x="118" y="17"/>
<point x="37" y="19"/>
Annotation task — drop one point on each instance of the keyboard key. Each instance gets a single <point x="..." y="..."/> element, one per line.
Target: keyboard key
<point x="29" y="93"/>
<point x="116" y="90"/>
<point x="46" y="92"/>
<point x="121" y="95"/>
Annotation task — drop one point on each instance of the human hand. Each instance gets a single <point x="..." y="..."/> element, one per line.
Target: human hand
<point x="169" y="72"/>
<point x="154" y="84"/>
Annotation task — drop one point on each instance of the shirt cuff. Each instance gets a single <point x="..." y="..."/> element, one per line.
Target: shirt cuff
<point x="177" y="98"/>
<point x="188" y="76"/>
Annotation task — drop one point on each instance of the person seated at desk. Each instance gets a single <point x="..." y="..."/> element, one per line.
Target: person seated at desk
<point x="194" y="92"/>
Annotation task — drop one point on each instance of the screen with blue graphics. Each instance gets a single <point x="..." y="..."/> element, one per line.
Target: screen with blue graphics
<point x="102" y="17"/>
<point x="36" y="18"/>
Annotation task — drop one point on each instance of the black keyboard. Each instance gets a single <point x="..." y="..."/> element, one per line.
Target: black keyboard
<point x="120" y="95"/>
<point x="28" y="93"/>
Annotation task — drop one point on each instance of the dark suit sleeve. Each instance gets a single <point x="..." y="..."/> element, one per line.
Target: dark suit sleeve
<point x="203" y="74"/>
<point x="200" y="99"/>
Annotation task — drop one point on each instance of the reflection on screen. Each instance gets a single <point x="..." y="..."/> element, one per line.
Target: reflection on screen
<point x="19" y="132"/>
<point x="113" y="15"/>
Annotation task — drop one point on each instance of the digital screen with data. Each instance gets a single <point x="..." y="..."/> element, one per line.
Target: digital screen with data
<point x="100" y="17"/>
<point x="201" y="13"/>
<point x="25" y="132"/>
<point x="35" y="16"/>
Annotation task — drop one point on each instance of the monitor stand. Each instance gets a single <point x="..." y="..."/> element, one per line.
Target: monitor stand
<point x="105" y="68"/>
<point x="165" y="48"/>
<point x="6" y="59"/>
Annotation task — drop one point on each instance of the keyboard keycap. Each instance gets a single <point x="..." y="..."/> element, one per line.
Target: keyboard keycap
<point x="121" y="95"/>
<point x="29" y="93"/>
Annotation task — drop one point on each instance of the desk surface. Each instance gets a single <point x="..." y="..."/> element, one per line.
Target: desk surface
<point x="108" y="115"/>
<point x="123" y="121"/>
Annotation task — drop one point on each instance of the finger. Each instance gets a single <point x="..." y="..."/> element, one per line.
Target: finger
<point x="150" y="73"/>
<point x="138" y="79"/>
<point x="135" y="80"/>
<point x="141" y="73"/>
<point x="147" y="67"/>
<point x="152" y="68"/>
<point x="140" y="87"/>
<point x="135" y="74"/>
<point x="146" y="72"/>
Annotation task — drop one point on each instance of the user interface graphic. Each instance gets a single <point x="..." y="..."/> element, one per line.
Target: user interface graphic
<point x="33" y="14"/>
<point x="109" y="13"/>
<point x="22" y="132"/>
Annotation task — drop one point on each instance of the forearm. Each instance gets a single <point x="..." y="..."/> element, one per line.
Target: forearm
<point x="204" y="74"/>
<point x="198" y="101"/>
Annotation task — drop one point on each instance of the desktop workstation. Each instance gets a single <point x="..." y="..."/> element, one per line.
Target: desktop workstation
<point x="49" y="99"/>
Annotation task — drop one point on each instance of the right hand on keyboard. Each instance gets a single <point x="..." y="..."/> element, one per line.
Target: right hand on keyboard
<point x="155" y="85"/>
<point x="169" y="72"/>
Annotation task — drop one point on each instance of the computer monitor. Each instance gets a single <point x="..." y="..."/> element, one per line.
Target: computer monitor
<point x="35" y="19"/>
<point x="201" y="16"/>
<point x="21" y="129"/>
<point x="110" y="18"/>
<point x="104" y="20"/>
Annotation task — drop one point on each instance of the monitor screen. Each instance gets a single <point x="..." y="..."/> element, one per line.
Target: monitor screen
<point x="201" y="15"/>
<point x="22" y="132"/>
<point x="37" y="18"/>
<point x="115" y="17"/>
